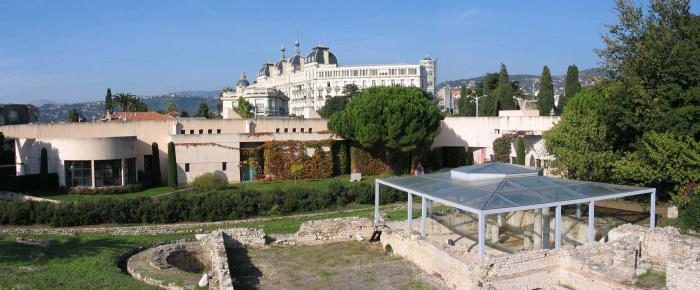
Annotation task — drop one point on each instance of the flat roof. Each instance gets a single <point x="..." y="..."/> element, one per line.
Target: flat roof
<point x="501" y="187"/>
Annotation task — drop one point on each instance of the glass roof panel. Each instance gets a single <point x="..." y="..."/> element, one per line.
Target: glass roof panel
<point x="505" y="192"/>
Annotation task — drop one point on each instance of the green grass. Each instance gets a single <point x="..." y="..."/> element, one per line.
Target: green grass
<point x="652" y="279"/>
<point x="145" y="193"/>
<point x="89" y="260"/>
<point x="77" y="262"/>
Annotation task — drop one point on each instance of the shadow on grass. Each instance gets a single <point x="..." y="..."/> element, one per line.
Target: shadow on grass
<point x="245" y="274"/>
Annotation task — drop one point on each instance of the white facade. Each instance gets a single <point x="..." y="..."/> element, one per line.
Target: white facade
<point x="308" y="81"/>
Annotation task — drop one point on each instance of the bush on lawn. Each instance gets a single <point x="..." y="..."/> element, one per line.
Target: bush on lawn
<point x="105" y="189"/>
<point x="689" y="216"/>
<point x="209" y="182"/>
<point x="182" y="207"/>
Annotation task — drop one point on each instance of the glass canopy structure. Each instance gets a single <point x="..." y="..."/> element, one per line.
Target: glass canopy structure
<point x="494" y="188"/>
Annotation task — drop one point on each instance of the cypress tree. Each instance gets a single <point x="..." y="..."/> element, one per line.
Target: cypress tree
<point x="172" y="166"/>
<point x="520" y="151"/>
<point x="545" y="97"/>
<point x="504" y="92"/>
<point x="108" y="102"/>
<point x="572" y="86"/>
<point x="155" y="165"/>
<point x="44" y="171"/>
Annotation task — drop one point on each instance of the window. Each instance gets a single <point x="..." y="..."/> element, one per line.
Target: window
<point x="513" y="160"/>
<point x="108" y="172"/>
<point x="286" y="130"/>
<point x="147" y="163"/>
<point x="497" y="131"/>
<point x="187" y="167"/>
<point x="209" y="131"/>
<point x="309" y="130"/>
<point x="294" y="130"/>
<point x="532" y="161"/>
<point x="223" y="166"/>
<point x="201" y="131"/>
<point x="182" y="132"/>
<point x="191" y="131"/>
<point x="277" y="130"/>
<point x="78" y="173"/>
<point x="218" y="131"/>
<point x="539" y="163"/>
<point x="302" y="130"/>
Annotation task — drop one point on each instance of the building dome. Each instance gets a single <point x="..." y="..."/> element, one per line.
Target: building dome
<point x="265" y="70"/>
<point x="317" y="55"/>
<point x="242" y="82"/>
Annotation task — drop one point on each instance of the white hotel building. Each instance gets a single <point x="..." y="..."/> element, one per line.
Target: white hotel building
<point x="306" y="82"/>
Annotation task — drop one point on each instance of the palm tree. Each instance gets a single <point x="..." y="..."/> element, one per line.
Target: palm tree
<point x="125" y="101"/>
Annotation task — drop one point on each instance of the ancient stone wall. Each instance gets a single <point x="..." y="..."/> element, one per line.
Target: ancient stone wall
<point x="334" y="230"/>
<point x="433" y="259"/>
<point x="683" y="274"/>
<point x="221" y="274"/>
<point x="660" y="245"/>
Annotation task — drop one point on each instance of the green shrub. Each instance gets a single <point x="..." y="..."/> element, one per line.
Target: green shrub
<point x="43" y="170"/>
<point x="183" y="207"/>
<point x="520" y="151"/>
<point x="209" y="182"/>
<point x="689" y="215"/>
<point x="501" y="148"/>
<point x="155" y="165"/>
<point x="105" y="189"/>
<point x="172" y="166"/>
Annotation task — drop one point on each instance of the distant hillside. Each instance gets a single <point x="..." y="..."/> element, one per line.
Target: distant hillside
<point x="185" y="101"/>
<point x="530" y="83"/>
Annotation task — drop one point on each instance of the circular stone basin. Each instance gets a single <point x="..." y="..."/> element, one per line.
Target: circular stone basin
<point x="186" y="261"/>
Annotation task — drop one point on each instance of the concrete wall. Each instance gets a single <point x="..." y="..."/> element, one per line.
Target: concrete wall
<point x="205" y="144"/>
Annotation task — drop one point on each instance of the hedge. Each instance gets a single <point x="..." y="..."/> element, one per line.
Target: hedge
<point x="28" y="183"/>
<point x="182" y="207"/>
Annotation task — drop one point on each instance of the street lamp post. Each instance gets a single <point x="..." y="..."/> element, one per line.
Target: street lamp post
<point x="477" y="104"/>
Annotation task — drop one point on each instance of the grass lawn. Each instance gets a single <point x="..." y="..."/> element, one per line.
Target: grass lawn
<point x="89" y="260"/>
<point x="145" y="193"/>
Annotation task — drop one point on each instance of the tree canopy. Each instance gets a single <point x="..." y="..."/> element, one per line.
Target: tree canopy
<point x="504" y="92"/>
<point x="337" y="103"/>
<point x="244" y="108"/>
<point x="398" y="119"/>
<point x="571" y="87"/>
<point x="466" y="104"/>
<point x="640" y="126"/>
<point x="203" y="110"/>
<point x="109" y="107"/>
<point x="74" y="115"/>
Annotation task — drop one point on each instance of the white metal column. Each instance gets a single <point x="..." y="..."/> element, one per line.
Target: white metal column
<point x="376" y="202"/>
<point x="557" y="227"/>
<point x="410" y="212"/>
<point x="652" y="211"/>
<point x="591" y="222"/>
<point x="423" y="212"/>
<point x="578" y="210"/>
<point x="482" y="234"/>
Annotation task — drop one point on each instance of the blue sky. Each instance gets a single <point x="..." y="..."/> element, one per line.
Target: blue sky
<point x="70" y="51"/>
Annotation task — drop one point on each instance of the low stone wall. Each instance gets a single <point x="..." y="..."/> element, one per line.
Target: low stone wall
<point x="334" y="230"/>
<point x="660" y="245"/>
<point x="684" y="274"/>
<point x="611" y="265"/>
<point x="433" y="259"/>
<point x="221" y="274"/>
<point x="12" y="196"/>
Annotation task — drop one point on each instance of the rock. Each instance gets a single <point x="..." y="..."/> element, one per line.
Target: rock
<point x="200" y="237"/>
<point x="204" y="281"/>
<point x="672" y="212"/>
<point x="451" y="242"/>
<point x="359" y="237"/>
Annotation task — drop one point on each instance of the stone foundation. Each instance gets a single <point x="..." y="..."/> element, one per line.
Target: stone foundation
<point x="611" y="265"/>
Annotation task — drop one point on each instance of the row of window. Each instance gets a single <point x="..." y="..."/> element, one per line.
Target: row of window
<point x="201" y="131"/>
<point x="294" y="130"/>
<point x="224" y="166"/>
<point x="107" y="172"/>
<point x="341" y="73"/>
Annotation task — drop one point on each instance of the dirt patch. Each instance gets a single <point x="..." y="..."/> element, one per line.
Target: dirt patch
<point x="346" y="265"/>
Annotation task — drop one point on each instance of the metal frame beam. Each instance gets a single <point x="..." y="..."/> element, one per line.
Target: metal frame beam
<point x="591" y="222"/>
<point x="423" y="212"/>
<point x="557" y="228"/>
